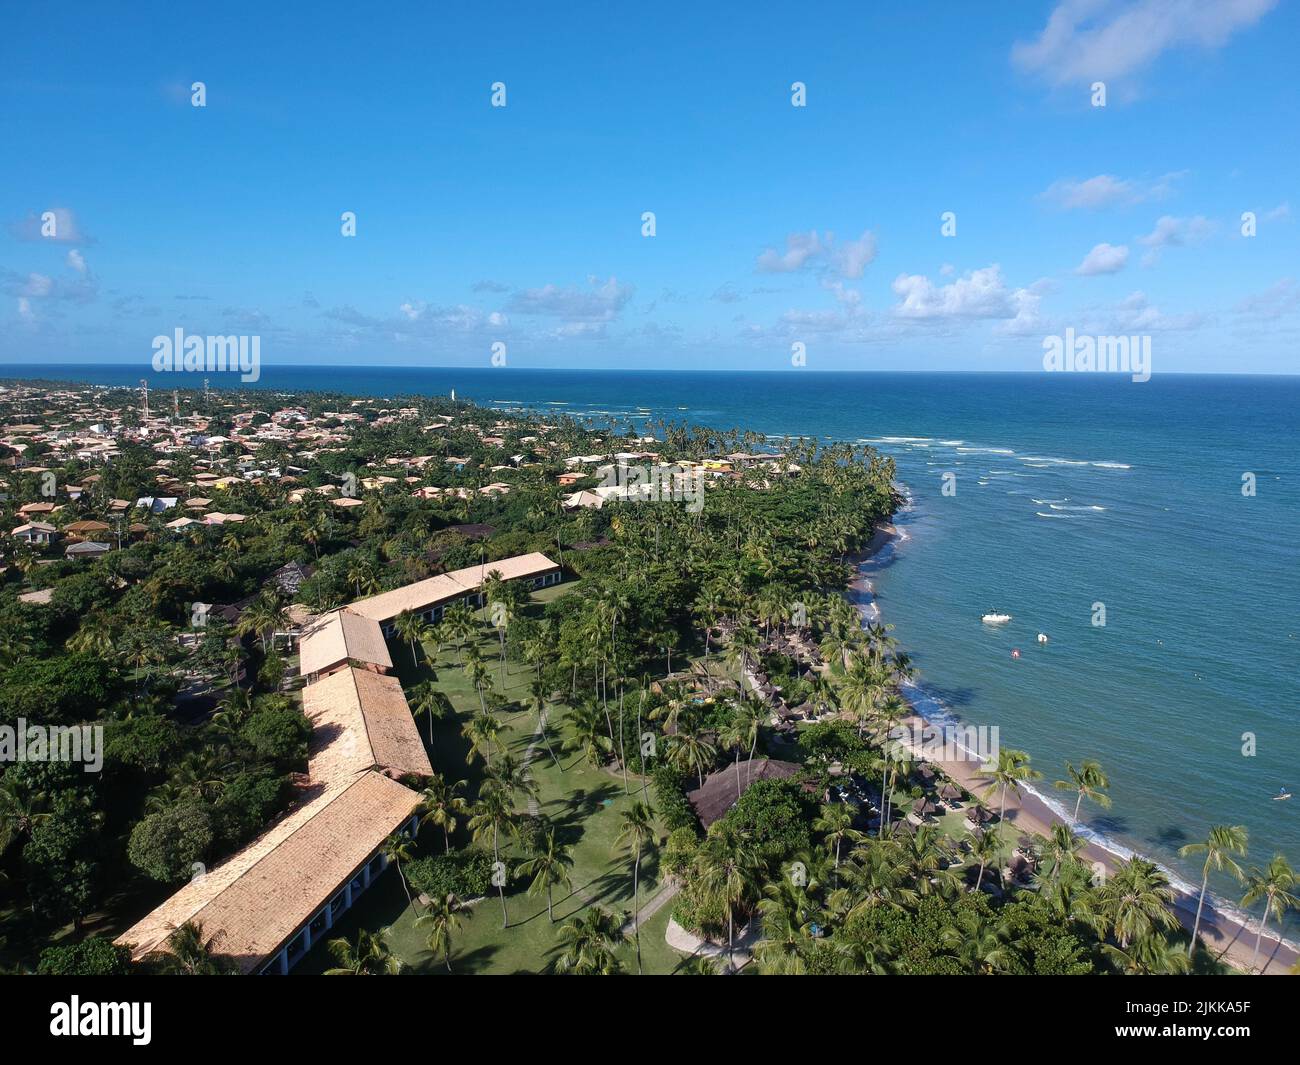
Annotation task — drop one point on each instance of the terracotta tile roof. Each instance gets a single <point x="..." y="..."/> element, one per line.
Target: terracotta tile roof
<point x="339" y="636"/>
<point x="446" y="586"/>
<point x="258" y="898"/>
<point x="360" y="720"/>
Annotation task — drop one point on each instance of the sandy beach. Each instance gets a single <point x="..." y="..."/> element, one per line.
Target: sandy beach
<point x="1228" y="938"/>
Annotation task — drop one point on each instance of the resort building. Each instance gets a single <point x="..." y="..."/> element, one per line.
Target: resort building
<point x="263" y="908"/>
<point x="335" y="640"/>
<point x="430" y="598"/>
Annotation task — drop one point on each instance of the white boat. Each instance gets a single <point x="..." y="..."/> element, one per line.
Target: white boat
<point x="1042" y="637"/>
<point x="995" y="619"/>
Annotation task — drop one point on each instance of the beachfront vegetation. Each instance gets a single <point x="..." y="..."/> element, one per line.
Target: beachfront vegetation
<point x="599" y="748"/>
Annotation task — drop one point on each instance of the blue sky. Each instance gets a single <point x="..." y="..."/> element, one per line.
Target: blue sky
<point x="775" y="224"/>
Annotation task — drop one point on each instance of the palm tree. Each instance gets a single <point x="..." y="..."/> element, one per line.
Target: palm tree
<point x="585" y="720"/>
<point x="482" y="731"/>
<point x="1218" y="848"/>
<point x="586" y="944"/>
<point x="412" y="628"/>
<point x="397" y="849"/>
<point x="1273" y="885"/>
<point x="492" y="813"/>
<point x="22" y="807"/>
<point x="1089" y="782"/>
<point x="636" y="830"/>
<point x="458" y="621"/>
<point x="1135" y="901"/>
<point x="190" y="953"/>
<point x="431" y="703"/>
<point x="987" y="847"/>
<point x="549" y="868"/>
<point x="442" y="805"/>
<point x="728" y="867"/>
<point x="369" y="957"/>
<point x="442" y="918"/>
<point x="689" y="750"/>
<point x="1010" y="771"/>
<point x="835" y="822"/>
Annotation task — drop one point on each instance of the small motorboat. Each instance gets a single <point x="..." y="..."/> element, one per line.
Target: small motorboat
<point x="1015" y="652"/>
<point x="994" y="618"/>
<point x="1042" y="637"/>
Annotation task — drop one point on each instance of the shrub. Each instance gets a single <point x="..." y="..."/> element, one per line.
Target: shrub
<point x="674" y="809"/>
<point x="95" y="956"/>
<point x="166" y="844"/>
<point x="465" y="873"/>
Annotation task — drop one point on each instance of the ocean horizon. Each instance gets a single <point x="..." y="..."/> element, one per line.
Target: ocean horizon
<point x="1066" y="492"/>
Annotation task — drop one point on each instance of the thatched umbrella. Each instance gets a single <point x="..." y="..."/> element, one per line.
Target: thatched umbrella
<point x="923" y="807"/>
<point x="950" y="792"/>
<point x="978" y="815"/>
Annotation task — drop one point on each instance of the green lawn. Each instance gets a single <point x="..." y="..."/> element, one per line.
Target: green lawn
<point x="582" y="803"/>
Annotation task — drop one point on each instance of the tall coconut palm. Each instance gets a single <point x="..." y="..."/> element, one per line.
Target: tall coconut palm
<point x="1272" y="884"/>
<point x="442" y="805"/>
<point x="728" y="869"/>
<point x="1088" y="782"/>
<point x="492" y="813"/>
<point x="586" y="944"/>
<point x="428" y="702"/>
<point x="1010" y="771"/>
<point x="369" y="957"/>
<point x="986" y="847"/>
<point x="189" y="952"/>
<point x="585" y="721"/>
<point x="412" y="628"/>
<point x="1220" y="845"/>
<point x="549" y="868"/>
<point x="482" y="731"/>
<point x="1135" y="901"/>
<point x="636" y="830"/>
<point x="835" y="822"/>
<point x="442" y="918"/>
<point x="689" y="750"/>
<point x="22" y="807"/>
<point x="398" y="848"/>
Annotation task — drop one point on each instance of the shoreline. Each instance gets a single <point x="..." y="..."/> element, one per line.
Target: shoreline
<point x="1231" y="940"/>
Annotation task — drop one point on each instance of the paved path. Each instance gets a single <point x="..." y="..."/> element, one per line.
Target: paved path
<point x="653" y="905"/>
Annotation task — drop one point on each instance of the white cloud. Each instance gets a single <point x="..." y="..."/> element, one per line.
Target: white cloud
<point x="848" y="259"/>
<point x="1279" y="213"/>
<point x="1171" y="232"/>
<point x="1103" y="259"/>
<point x="1135" y="314"/>
<point x="1105" y="190"/>
<point x="977" y="294"/>
<point x="601" y="302"/>
<point x="1088" y="40"/>
<point x="1282" y="297"/>
<point x="77" y="262"/>
<point x="25" y="309"/>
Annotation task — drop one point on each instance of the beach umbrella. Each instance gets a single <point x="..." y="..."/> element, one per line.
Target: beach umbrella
<point x="950" y="792"/>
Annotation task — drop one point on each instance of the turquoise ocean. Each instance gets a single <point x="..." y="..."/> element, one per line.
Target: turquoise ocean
<point x="1070" y="491"/>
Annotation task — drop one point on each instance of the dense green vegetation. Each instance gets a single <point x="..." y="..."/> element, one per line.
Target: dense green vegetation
<point x="565" y="726"/>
